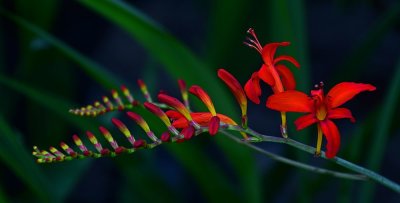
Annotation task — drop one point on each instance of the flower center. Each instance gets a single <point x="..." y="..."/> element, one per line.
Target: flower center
<point x="321" y="112"/>
<point x="320" y="106"/>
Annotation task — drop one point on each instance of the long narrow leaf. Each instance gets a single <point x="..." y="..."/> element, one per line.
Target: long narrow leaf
<point x="14" y="154"/>
<point x="98" y="73"/>
<point x="381" y="135"/>
<point x="362" y="53"/>
<point x="3" y="196"/>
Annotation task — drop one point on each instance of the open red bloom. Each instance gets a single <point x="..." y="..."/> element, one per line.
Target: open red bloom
<point x="322" y="109"/>
<point x="278" y="76"/>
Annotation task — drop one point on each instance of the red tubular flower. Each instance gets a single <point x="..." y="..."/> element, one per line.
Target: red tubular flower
<point x="278" y="76"/>
<point x="237" y="91"/>
<point x="203" y="96"/>
<point x="322" y="109"/>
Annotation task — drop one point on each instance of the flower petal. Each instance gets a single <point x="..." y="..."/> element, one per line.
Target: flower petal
<point x="287" y="58"/>
<point x="235" y="88"/>
<point x="266" y="75"/>
<point x="203" y="96"/>
<point x="252" y="88"/>
<point x="173" y="115"/>
<point x="290" y="101"/>
<point x="287" y="78"/>
<point x="305" y="121"/>
<point x="345" y="91"/>
<point x="269" y="50"/>
<point x="332" y="136"/>
<point x="339" y="113"/>
<point x="174" y="103"/>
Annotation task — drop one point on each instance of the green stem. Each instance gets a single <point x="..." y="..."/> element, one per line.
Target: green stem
<point x="295" y="163"/>
<point x="353" y="167"/>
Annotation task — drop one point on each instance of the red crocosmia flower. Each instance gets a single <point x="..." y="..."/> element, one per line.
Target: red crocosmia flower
<point x="322" y="110"/>
<point x="278" y="76"/>
<point x="205" y="98"/>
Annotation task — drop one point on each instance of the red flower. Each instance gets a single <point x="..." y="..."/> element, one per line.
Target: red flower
<point x="278" y="76"/>
<point x="322" y="109"/>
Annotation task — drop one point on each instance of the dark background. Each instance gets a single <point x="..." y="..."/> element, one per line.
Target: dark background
<point x="333" y="41"/>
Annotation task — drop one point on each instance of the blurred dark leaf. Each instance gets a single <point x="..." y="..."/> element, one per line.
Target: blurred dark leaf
<point x="3" y="197"/>
<point x="98" y="73"/>
<point x="382" y="132"/>
<point x="14" y="154"/>
<point x="362" y="53"/>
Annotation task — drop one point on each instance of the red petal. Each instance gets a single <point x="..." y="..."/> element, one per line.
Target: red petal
<point x="203" y="96"/>
<point x="344" y="91"/>
<point x="252" y="88"/>
<point x="269" y="50"/>
<point x="290" y="101"/>
<point x="174" y="103"/>
<point x="339" y="113"/>
<point x="266" y="75"/>
<point x="213" y="126"/>
<point x="287" y="58"/>
<point x="286" y="76"/>
<point x="173" y="115"/>
<point x="305" y="121"/>
<point x="332" y="137"/>
<point x="235" y="88"/>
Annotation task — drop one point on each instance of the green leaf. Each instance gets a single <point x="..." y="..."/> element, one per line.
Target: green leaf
<point x="3" y="197"/>
<point x="13" y="153"/>
<point x="381" y="135"/>
<point x="97" y="72"/>
<point x="180" y="62"/>
<point x="59" y="107"/>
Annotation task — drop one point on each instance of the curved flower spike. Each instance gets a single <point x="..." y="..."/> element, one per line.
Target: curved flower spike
<point x="143" y="124"/>
<point x="237" y="91"/>
<point x="177" y="105"/>
<point x="278" y="76"/>
<point x="322" y="109"/>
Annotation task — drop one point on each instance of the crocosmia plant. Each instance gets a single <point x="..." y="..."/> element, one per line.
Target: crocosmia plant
<point x="183" y="123"/>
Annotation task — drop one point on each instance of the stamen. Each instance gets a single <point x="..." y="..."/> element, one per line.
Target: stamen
<point x="253" y="42"/>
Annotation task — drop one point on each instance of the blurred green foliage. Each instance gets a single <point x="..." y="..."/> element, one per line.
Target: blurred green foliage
<point x="42" y="76"/>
